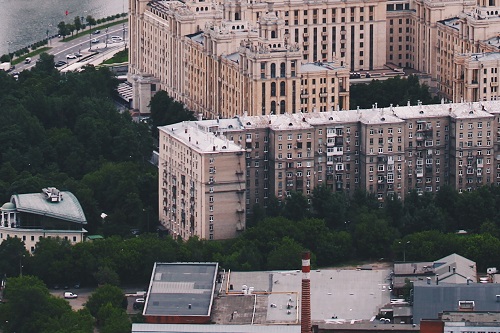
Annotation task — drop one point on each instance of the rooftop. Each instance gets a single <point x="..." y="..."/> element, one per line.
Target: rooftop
<point x="67" y="209"/>
<point x="181" y="289"/>
<point x="431" y="299"/>
<point x="202" y="136"/>
<point x="345" y="294"/>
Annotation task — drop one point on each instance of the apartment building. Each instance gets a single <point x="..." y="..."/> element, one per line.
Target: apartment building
<point x="213" y="172"/>
<point x="202" y="182"/>
<point x="225" y="58"/>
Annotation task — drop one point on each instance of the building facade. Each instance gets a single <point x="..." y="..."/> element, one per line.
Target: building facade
<point x="33" y="216"/>
<point x="225" y="58"/>
<point x="213" y="172"/>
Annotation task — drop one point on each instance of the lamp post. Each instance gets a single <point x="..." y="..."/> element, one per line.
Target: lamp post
<point x="106" y="37"/>
<point x="404" y="249"/>
<point x="8" y="46"/>
<point x="21" y="265"/>
<point x="90" y="42"/>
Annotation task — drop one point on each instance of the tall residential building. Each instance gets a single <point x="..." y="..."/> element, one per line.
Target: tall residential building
<point x="224" y="58"/>
<point x="212" y="172"/>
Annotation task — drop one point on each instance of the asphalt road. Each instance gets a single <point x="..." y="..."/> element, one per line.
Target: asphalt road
<point x="84" y="294"/>
<point x="82" y="45"/>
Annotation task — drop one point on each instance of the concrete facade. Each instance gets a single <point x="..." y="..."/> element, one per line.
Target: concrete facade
<point x="225" y="58"/>
<point x="388" y="152"/>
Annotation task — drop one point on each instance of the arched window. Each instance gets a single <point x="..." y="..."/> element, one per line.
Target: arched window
<point x="282" y="69"/>
<point x="273" y="88"/>
<point x="282" y="88"/>
<point x="273" y="70"/>
<point x="282" y="106"/>
<point x="273" y="107"/>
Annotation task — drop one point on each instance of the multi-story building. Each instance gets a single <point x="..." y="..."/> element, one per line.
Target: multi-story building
<point x="33" y="216"/>
<point x="225" y="58"/>
<point x="202" y="181"/>
<point x="212" y="172"/>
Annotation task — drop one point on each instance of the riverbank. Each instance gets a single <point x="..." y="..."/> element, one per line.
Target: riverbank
<point x="46" y="44"/>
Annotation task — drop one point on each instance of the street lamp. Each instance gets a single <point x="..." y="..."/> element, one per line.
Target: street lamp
<point x="404" y="250"/>
<point x="106" y="37"/>
<point x="8" y="47"/>
<point x="21" y="265"/>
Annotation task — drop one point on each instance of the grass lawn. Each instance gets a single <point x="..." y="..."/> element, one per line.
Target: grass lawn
<point x="94" y="28"/>
<point x="118" y="58"/>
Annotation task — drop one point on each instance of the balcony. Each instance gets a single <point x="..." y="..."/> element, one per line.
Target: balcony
<point x="419" y="173"/>
<point x="335" y="151"/>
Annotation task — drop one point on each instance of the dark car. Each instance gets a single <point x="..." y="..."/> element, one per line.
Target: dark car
<point x="97" y="32"/>
<point x="60" y="63"/>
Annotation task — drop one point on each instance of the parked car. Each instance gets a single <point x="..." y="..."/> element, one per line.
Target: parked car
<point x="116" y="38"/>
<point x="27" y="60"/>
<point x="78" y="55"/>
<point x="70" y="295"/>
<point x="70" y="56"/>
<point x="97" y="32"/>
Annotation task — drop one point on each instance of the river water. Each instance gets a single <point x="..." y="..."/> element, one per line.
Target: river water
<point x="23" y="22"/>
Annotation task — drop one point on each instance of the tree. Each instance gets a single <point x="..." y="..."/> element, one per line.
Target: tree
<point x="104" y="295"/>
<point x="90" y="21"/>
<point x="63" y="29"/>
<point x="13" y="255"/>
<point x="77" y="23"/>
<point x="286" y="255"/>
<point x="28" y="306"/>
<point x="296" y="206"/>
<point x="71" y="28"/>
<point x="5" y="58"/>
<point x="165" y="110"/>
<point x="105" y="275"/>
<point x="113" y="319"/>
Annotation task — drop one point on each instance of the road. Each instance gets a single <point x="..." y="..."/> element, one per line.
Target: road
<point x="84" y="46"/>
<point x="84" y="294"/>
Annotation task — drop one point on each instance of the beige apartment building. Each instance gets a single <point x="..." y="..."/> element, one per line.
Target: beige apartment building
<point x="225" y="58"/>
<point x="213" y="172"/>
<point x="201" y="183"/>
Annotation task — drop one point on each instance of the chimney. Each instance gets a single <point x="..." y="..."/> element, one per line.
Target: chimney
<point x="305" y="309"/>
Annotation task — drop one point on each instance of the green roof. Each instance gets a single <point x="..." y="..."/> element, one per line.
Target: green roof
<point x="94" y="237"/>
<point x="68" y="209"/>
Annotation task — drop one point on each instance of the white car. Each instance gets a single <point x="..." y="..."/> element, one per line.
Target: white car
<point x="70" y="295"/>
<point x="116" y="38"/>
<point x="95" y="40"/>
<point x="70" y="56"/>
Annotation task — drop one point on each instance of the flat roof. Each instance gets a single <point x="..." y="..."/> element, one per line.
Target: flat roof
<point x="344" y="294"/>
<point x="181" y="289"/>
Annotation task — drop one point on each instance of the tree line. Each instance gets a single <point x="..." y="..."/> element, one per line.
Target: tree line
<point x="64" y="130"/>
<point x="28" y="307"/>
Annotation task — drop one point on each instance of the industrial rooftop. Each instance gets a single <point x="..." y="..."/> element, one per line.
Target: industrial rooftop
<point x="181" y="289"/>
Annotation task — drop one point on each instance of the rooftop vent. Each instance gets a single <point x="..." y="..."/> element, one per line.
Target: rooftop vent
<point x="465" y="305"/>
<point x="52" y="194"/>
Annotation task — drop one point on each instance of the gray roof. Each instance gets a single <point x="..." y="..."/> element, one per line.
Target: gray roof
<point x="430" y="300"/>
<point x="187" y="328"/>
<point x="68" y="209"/>
<point x="175" y="287"/>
